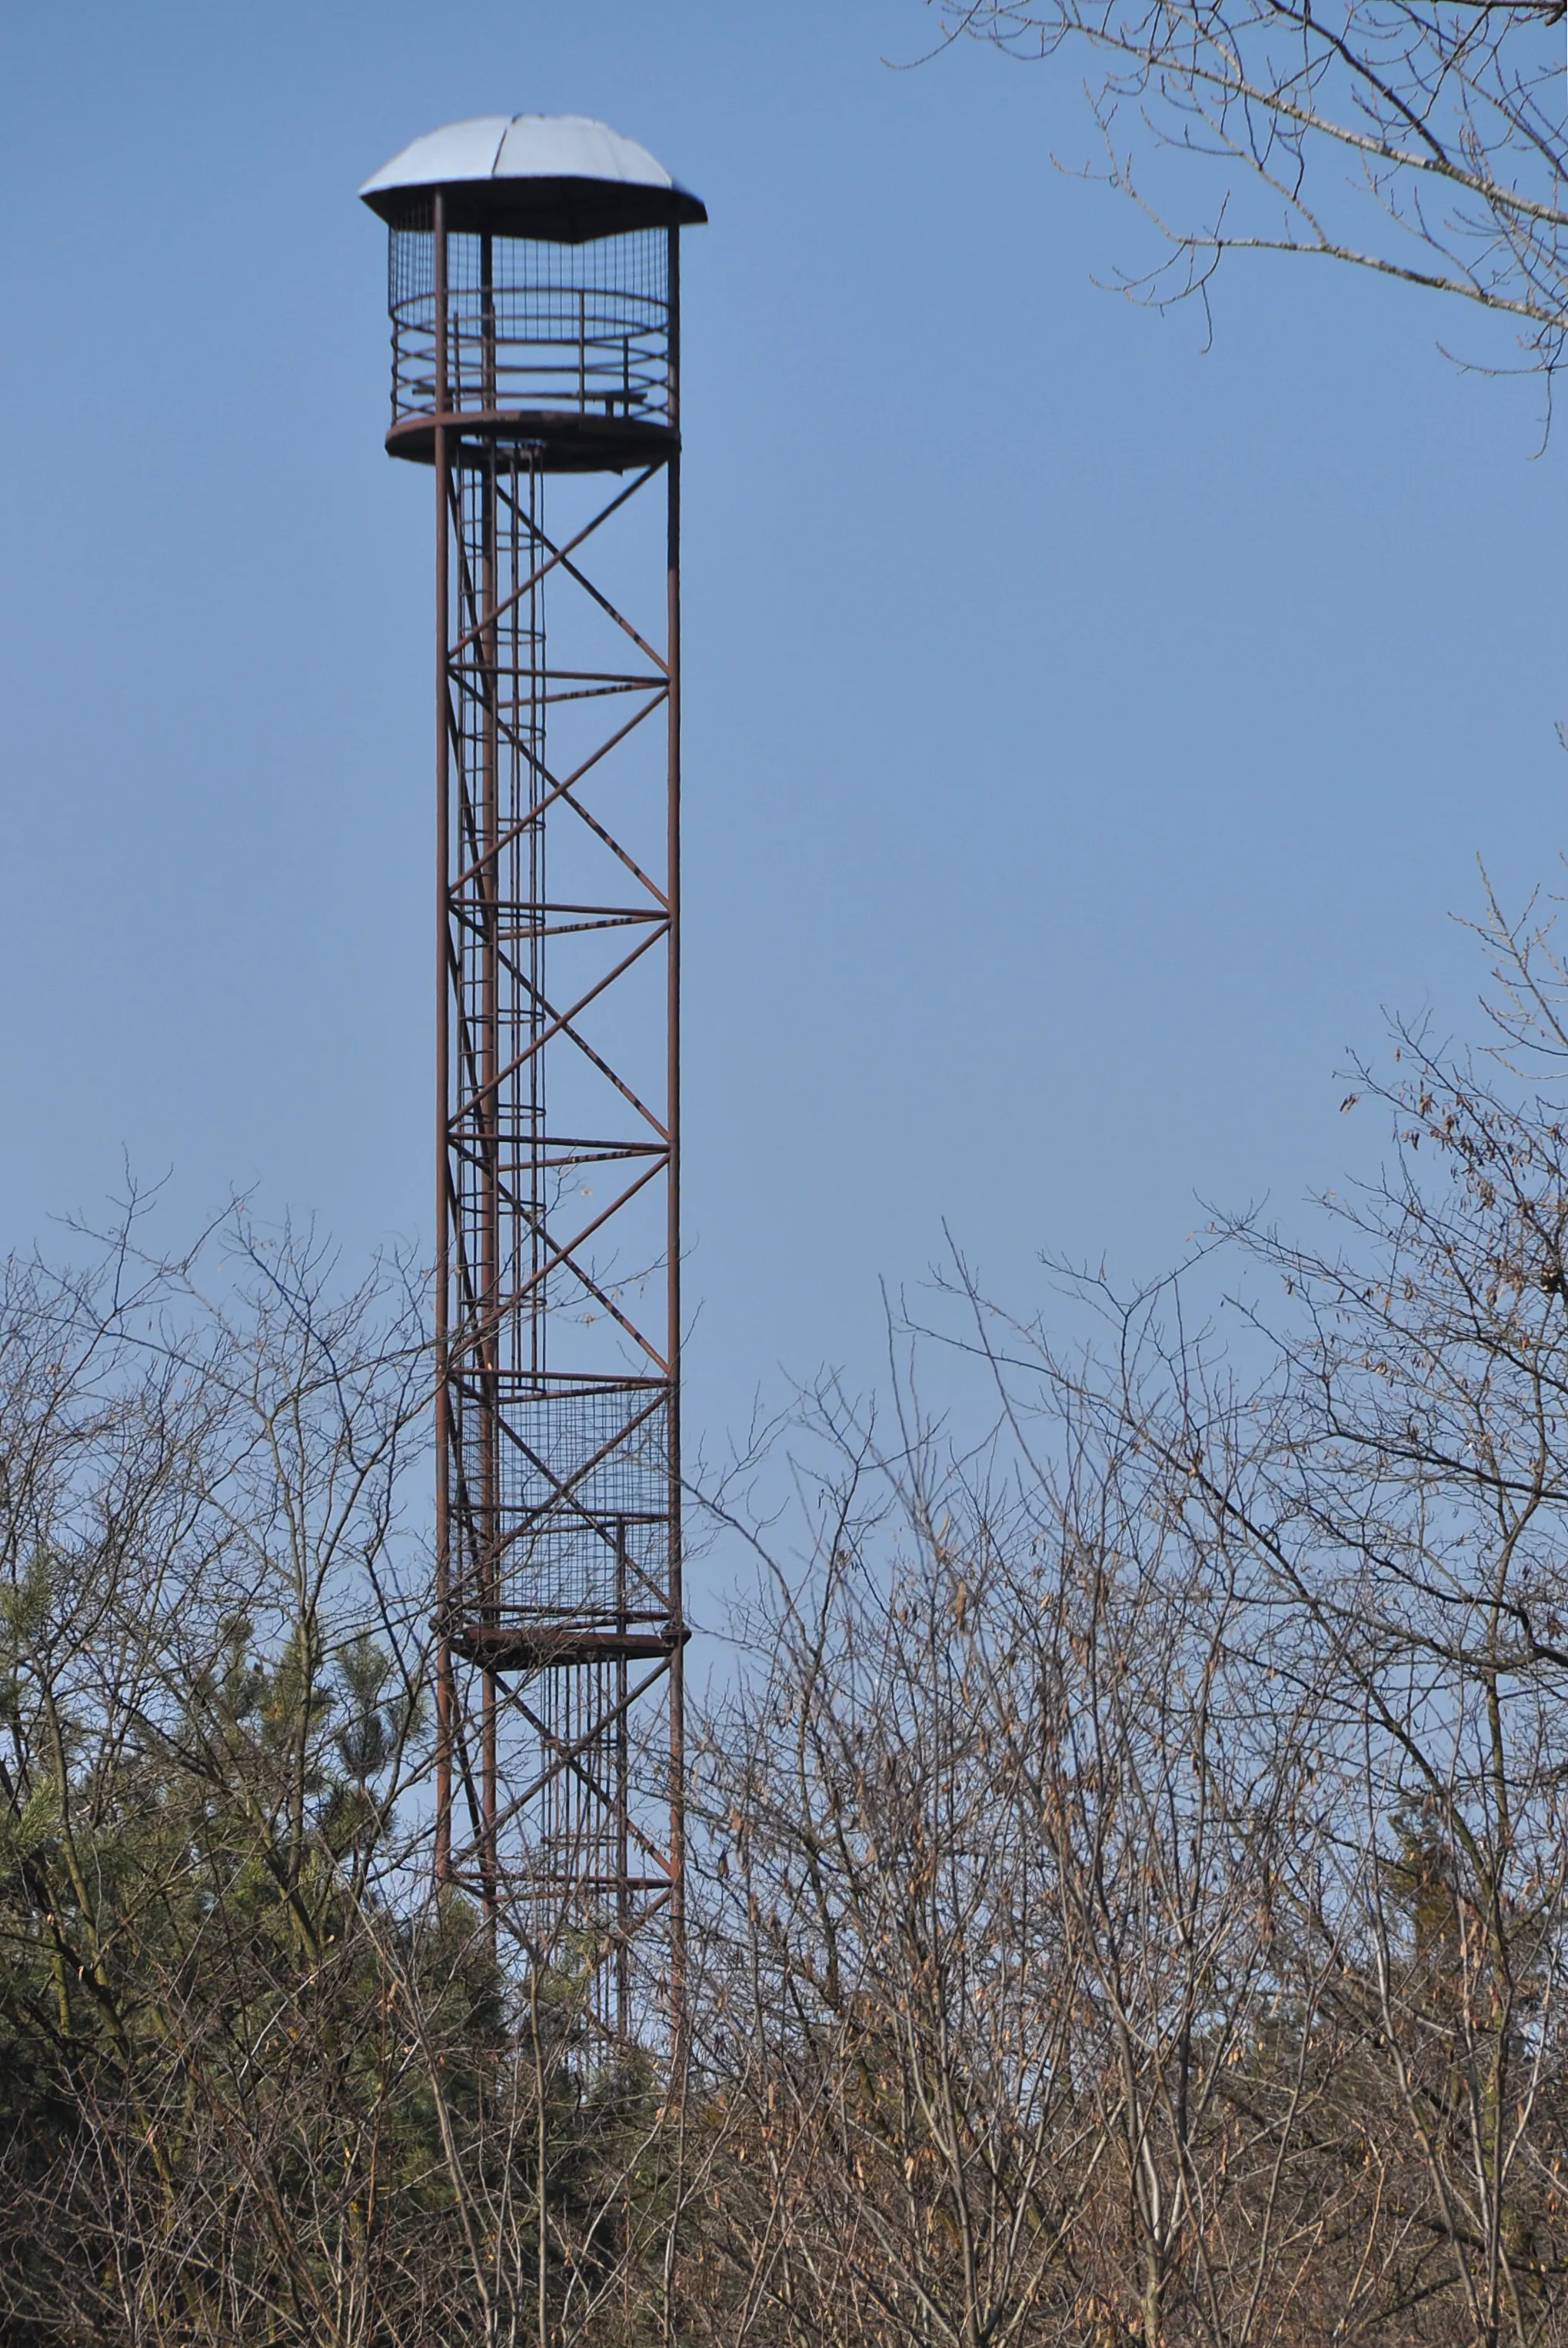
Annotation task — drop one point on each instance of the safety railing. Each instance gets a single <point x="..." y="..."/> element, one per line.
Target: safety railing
<point x="532" y="328"/>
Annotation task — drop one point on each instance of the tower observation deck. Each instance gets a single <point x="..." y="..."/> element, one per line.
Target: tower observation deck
<point x="534" y="293"/>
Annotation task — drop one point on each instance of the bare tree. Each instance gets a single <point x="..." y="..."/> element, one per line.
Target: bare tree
<point x="1009" y="2032"/>
<point x="1388" y="1502"/>
<point x="1135" y="1889"/>
<point x="256" y="2081"/>
<point x="1425" y="142"/>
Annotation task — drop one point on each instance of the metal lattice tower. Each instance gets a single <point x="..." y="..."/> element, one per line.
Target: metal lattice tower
<point x="535" y="304"/>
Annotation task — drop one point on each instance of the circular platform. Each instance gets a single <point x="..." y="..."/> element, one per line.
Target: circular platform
<point x="534" y="1647"/>
<point x="566" y="441"/>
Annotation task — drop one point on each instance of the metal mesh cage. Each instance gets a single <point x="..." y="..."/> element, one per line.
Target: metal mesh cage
<point x="583" y="1536"/>
<point x="532" y="326"/>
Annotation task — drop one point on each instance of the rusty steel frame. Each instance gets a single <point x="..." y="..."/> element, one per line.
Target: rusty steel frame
<point x="559" y="1619"/>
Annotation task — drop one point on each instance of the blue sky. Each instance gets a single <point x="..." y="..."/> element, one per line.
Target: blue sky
<point x="1087" y="732"/>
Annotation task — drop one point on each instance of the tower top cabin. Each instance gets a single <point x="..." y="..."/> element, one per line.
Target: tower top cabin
<point x="532" y="276"/>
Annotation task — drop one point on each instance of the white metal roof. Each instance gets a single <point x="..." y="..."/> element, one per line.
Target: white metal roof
<point x="561" y="151"/>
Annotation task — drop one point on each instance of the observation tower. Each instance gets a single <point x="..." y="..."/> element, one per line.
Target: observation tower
<point x="534" y="292"/>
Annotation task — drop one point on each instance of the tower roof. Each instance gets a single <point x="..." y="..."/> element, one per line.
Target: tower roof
<point x="563" y="177"/>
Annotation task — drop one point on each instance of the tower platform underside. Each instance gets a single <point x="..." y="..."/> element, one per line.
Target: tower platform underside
<point x="559" y="442"/>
